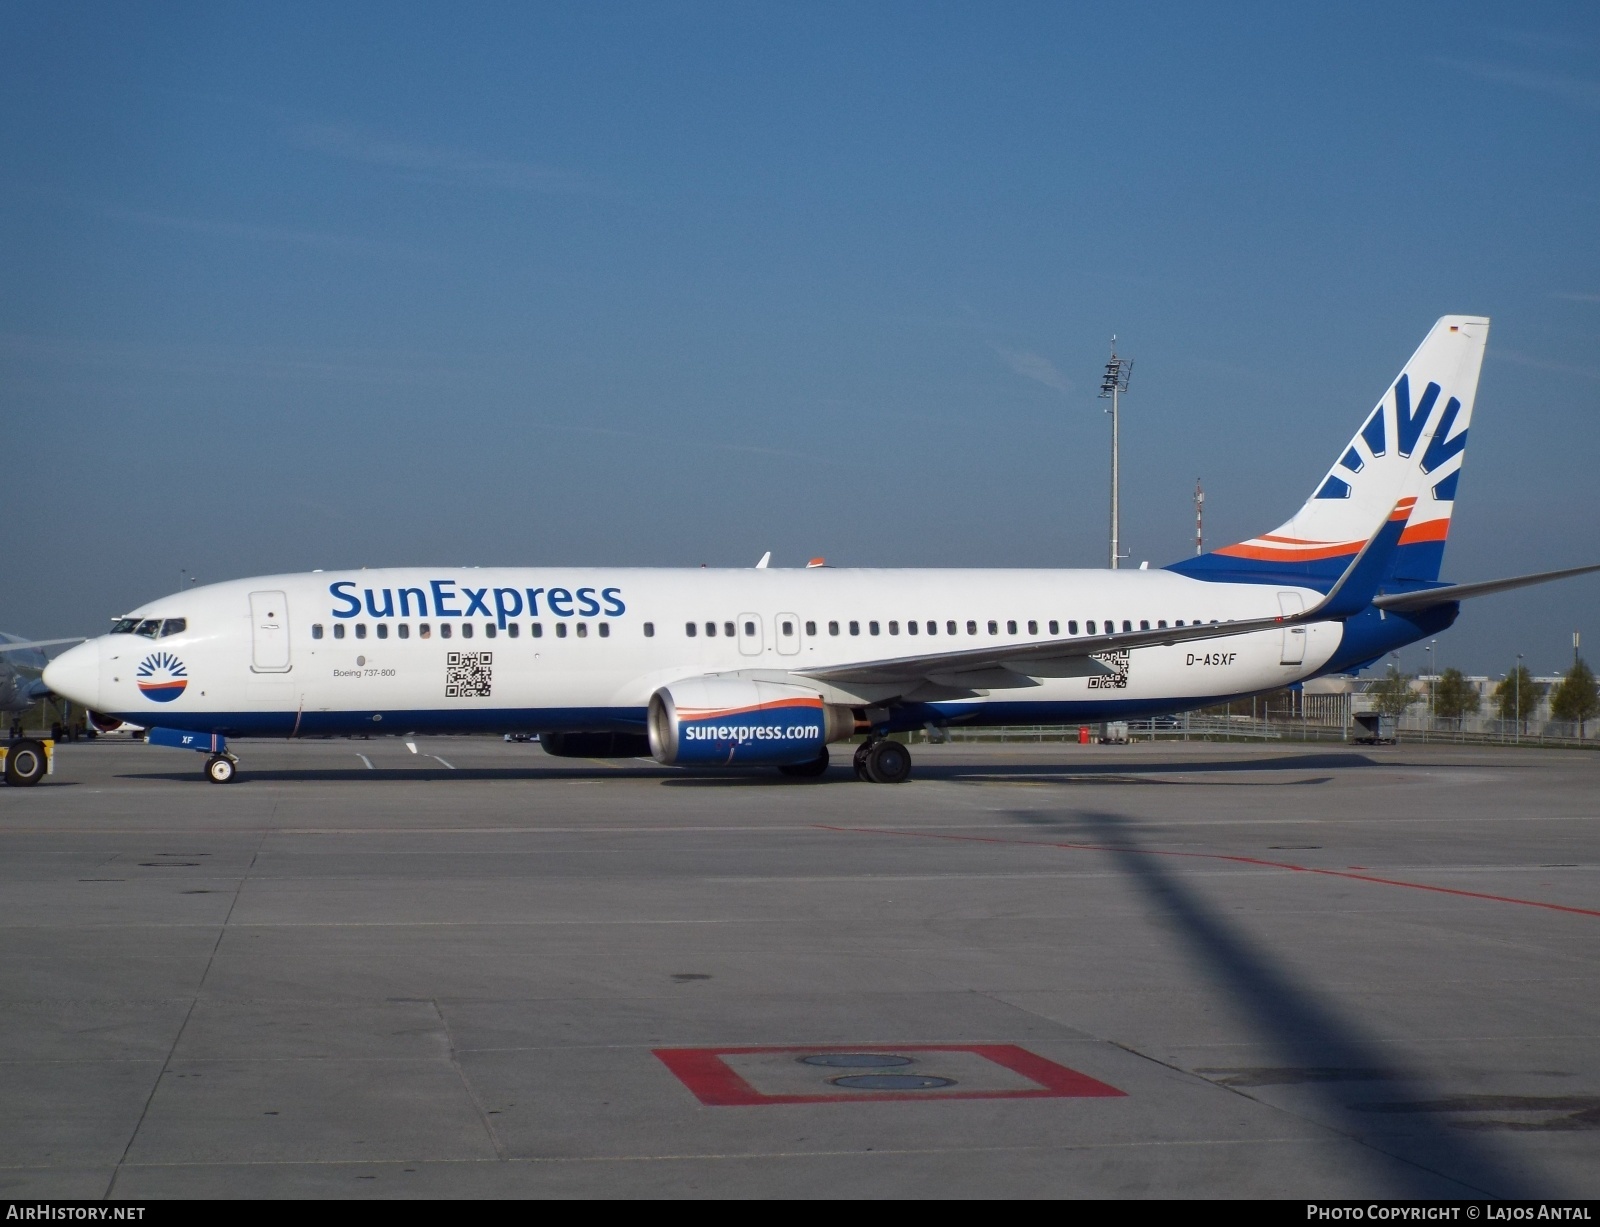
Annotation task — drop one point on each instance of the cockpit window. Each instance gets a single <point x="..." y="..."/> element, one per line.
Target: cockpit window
<point x="174" y="626"/>
<point x="124" y="626"/>
<point x="149" y="628"/>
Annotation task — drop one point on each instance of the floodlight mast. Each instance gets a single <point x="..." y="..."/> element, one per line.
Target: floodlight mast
<point x="1113" y="384"/>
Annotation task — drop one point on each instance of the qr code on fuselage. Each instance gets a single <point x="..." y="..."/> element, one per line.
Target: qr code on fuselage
<point x="1117" y="679"/>
<point x="467" y="675"/>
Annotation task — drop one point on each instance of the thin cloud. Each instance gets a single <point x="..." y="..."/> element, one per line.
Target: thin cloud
<point x="435" y="165"/>
<point x="343" y="244"/>
<point x="1035" y="367"/>
<point x="1543" y="364"/>
<point x="1578" y="91"/>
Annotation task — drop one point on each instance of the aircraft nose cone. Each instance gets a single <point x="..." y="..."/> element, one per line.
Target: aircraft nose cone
<point x="75" y="674"/>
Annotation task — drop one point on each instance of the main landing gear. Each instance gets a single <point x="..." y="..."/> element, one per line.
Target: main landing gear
<point x="883" y="762"/>
<point x="220" y="768"/>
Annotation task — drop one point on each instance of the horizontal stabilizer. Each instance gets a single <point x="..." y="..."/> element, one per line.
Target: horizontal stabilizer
<point x="1458" y="592"/>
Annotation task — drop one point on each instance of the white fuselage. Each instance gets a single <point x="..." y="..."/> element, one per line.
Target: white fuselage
<point x="403" y="650"/>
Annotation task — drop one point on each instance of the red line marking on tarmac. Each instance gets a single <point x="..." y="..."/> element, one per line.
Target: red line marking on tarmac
<point x="1221" y="856"/>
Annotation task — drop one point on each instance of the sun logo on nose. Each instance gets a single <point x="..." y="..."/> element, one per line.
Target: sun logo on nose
<point x="161" y="677"/>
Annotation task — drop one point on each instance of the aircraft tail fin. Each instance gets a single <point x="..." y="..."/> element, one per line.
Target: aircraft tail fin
<point x="1410" y="447"/>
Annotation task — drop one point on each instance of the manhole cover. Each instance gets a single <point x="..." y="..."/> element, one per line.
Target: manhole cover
<point x="855" y="1060"/>
<point x="891" y="1082"/>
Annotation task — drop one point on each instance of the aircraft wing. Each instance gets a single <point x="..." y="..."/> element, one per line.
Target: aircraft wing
<point x="1458" y="592"/>
<point x="23" y="646"/>
<point x="997" y="666"/>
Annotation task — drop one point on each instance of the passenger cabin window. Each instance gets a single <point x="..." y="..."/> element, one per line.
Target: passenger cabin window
<point x="174" y="626"/>
<point x="933" y="628"/>
<point x="1162" y="624"/>
<point x="727" y="629"/>
<point x="1127" y="627"/>
<point x="444" y="630"/>
<point x="1011" y="628"/>
<point x="513" y="629"/>
<point x="855" y="628"/>
<point x="750" y="628"/>
<point x="649" y="630"/>
<point x="583" y="630"/>
<point x="972" y="628"/>
<point x="811" y="629"/>
<point x="338" y="630"/>
<point x="405" y="630"/>
<point x="689" y="629"/>
<point x="949" y="628"/>
<point x="711" y="630"/>
<point x="1144" y="624"/>
<point x="1033" y="628"/>
<point x="872" y="628"/>
<point x="383" y="630"/>
<point x="785" y="628"/>
<point x="1072" y="628"/>
<point x="1055" y="627"/>
<point x="994" y="627"/>
<point x="561" y="630"/>
<point x="911" y="628"/>
<point x="424" y="631"/>
<point x="361" y="630"/>
<point x="538" y="630"/>
<point x="1090" y="625"/>
<point x="833" y="628"/>
<point x="316" y="630"/>
<point x="605" y="630"/>
<point x="894" y="628"/>
<point x="466" y="630"/>
<point x="488" y="630"/>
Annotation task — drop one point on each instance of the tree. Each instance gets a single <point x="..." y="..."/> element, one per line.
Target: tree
<point x="1577" y="698"/>
<point x="1517" y="697"/>
<point x="1454" y="696"/>
<point x="1394" y="694"/>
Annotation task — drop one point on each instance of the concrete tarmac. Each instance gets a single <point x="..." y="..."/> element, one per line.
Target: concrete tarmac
<point x="365" y="971"/>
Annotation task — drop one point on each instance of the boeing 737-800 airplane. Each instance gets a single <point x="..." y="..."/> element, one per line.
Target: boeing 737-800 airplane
<point x="767" y="667"/>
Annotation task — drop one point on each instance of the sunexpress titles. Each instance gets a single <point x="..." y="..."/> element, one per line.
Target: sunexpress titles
<point x="445" y="598"/>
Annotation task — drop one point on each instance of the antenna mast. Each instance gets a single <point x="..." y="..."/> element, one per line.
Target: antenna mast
<point x="1199" y="517"/>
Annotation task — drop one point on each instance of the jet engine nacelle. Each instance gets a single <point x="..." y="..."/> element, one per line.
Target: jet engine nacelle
<point x="730" y="722"/>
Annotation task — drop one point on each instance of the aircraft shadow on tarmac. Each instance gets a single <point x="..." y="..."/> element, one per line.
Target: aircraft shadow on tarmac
<point x="1314" y="1046"/>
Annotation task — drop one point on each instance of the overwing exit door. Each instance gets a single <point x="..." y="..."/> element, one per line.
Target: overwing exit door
<point x="269" y="632"/>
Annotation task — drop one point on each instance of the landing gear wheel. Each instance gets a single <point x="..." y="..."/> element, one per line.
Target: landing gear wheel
<point x="859" y="763"/>
<point x="888" y="762"/>
<point x="807" y="770"/>
<point x="25" y="763"/>
<point x="219" y="770"/>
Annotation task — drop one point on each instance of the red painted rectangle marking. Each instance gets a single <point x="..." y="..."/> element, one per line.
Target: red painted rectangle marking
<point x="715" y="1083"/>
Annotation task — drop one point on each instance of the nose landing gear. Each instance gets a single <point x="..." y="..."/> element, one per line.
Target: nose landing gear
<point x="220" y="768"/>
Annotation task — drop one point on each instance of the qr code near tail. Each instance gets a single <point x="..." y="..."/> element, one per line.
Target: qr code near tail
<point x="467" y="675"/>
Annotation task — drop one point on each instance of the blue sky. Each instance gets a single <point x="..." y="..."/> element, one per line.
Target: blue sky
<point x="299" y="286"/>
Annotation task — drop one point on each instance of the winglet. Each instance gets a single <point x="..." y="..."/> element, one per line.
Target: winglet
<point x="1359" y="584"/>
